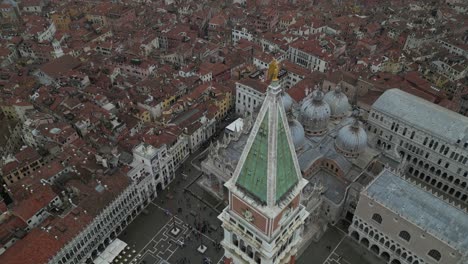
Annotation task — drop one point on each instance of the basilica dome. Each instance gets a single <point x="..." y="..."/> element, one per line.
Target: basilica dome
<point x="351" y="139"/>
<point x="297" y="134"/>
<point x="338" y="102"/>
<point x="287" y="101"/>
<point x="315" y="113"/>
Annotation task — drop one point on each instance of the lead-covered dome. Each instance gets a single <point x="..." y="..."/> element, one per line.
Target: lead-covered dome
<point x="351" y="140"/>
<point x="315" y="114"/>
<point x="338" y="102"/>
<point x="287" y="101"/>
<point x="297" y="134"/>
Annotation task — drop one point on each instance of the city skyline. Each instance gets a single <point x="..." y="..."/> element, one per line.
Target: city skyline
<point x="232" y="132"/>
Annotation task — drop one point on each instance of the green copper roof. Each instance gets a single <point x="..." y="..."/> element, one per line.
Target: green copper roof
<point x="286" y="176"/>
<point x="253" y="176"/>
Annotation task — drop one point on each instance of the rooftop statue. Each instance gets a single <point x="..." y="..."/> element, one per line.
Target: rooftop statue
<point x="273" y="70"/>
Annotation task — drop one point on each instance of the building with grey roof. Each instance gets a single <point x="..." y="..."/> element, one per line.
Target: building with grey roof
<point x="428" y="141"/>
<point x="405" y="223"/>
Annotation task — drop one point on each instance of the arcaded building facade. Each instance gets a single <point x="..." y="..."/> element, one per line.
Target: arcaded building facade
<point x="403" y="223"/>
<point x="428" y="141"/>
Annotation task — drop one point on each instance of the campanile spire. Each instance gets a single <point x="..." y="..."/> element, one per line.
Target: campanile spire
<point x="265" y="190"/>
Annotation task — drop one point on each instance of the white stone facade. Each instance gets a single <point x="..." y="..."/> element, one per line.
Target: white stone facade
<point x="433" y="147"/>
<point x="247" y="99"/>
<point x="105" y="227"/>
<point x="307" y="60"/>
<point x="47" y="34"/>
<point x="153" y="162"/>
<point x="241" y="34"/>
<point x="405" y="234"/>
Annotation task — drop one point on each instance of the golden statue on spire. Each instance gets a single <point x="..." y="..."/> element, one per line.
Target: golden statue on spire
<point x="273" y="70"/>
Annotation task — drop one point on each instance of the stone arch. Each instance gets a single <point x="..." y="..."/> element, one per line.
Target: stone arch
<point x="377" y="218"/>
<point x="235" y="240"/>
<point x="375" y="249"/>
<point x="395" y="261"/>
<point x="242" y="245"/>
<point x="398" y="251"/>
<point x="249" y="251"/>
<point x="435" y="254"/>
<point x="365" y="242"/>
<point x="355" y="235"/>
<point x="158" y="188"/>
<point x="385" y="256"/>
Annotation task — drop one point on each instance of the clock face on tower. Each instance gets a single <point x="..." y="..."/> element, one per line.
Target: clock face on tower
<point x="248" y="216"/>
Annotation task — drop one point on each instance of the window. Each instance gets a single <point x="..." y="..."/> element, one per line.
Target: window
<point x="405" y="235"/>
<point x="434" y="254"/>
<point x="377" y="218"/>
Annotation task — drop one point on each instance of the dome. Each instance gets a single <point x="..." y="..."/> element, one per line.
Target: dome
<point x="287" y="101"/>
<point x="297" y="134"/>
<point x="338" y="102"/>
<point x="351" y="139"/>
<point x="315" y="113"/>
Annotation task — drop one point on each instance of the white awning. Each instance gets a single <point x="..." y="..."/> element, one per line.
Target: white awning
<point x="111" y="252"/>
<point x="236" y="125"/>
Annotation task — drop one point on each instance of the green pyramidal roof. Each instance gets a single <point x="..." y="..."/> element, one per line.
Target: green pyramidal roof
<point x="286" y="176"/>
<point x="253" y="176"/>
<point x="267" y="170"/>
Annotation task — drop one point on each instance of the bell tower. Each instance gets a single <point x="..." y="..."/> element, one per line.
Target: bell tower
<point x="264" y="219"/>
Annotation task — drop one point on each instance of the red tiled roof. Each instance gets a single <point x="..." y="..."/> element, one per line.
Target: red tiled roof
<point x="37" y="247"/>
<point x="60" y="66"/>
<point x="255" y="84"/>
<point x="30" y="196"/>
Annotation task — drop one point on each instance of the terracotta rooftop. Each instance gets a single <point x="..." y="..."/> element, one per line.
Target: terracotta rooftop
<point x="58" y="67"/>
<point x="255" y="84"/>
